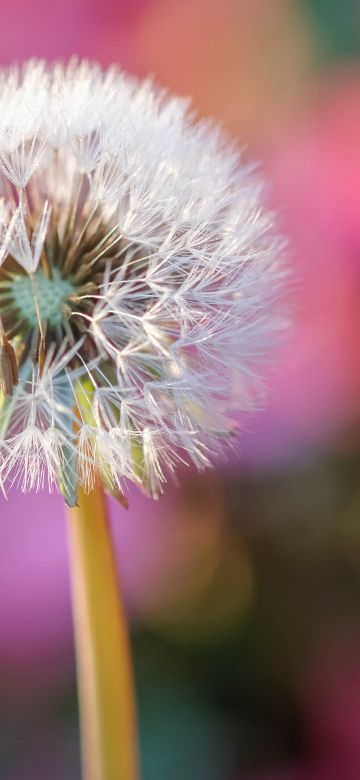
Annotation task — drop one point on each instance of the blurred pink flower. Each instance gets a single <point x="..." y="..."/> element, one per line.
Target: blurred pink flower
<point x="65" y="27"/>
<point x="164" y="548"/>
<point x="313" y="168"/>
<point x="35" y="621"/>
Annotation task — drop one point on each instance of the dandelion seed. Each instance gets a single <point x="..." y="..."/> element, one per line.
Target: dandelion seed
<point x="139" y="281"/>
<point x="9" y="376"/>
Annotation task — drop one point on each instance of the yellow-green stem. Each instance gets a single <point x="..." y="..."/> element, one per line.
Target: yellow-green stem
<point x="105" y="679"/>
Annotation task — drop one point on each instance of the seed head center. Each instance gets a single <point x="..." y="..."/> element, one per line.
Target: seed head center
<point x="48" y="294"/>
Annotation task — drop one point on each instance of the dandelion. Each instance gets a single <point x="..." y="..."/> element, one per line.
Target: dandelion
<point x="139" y="300"/>
<point x="139" y="281"/>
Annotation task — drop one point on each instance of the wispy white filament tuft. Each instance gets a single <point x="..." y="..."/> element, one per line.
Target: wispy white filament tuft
<point x="139" y="281"/>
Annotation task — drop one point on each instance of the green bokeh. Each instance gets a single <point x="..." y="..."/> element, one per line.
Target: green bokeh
<point x="337" y="25"/>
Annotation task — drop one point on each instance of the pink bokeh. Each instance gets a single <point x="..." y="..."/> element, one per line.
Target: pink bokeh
<point x="313" y="166"/>
<point x="158" y="546"/>
<point x="35" y="610"/>
<point x="63" y="27"/>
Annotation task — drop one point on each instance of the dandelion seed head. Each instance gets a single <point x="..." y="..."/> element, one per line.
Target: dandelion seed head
<point x="140" y="281"/>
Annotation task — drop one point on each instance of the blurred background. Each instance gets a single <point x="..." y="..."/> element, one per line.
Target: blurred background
<point x="242" y="586"/>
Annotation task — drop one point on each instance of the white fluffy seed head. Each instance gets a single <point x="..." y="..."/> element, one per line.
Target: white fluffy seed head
<point x="140" y="281"/>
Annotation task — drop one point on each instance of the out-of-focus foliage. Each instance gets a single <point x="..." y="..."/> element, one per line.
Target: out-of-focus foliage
<point x="337" y="25"/>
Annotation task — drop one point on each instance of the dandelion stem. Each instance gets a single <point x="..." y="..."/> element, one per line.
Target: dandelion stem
<point x="105" y="680"/>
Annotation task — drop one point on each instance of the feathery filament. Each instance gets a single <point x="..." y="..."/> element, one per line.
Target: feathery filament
<point x="139" y="281"/>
